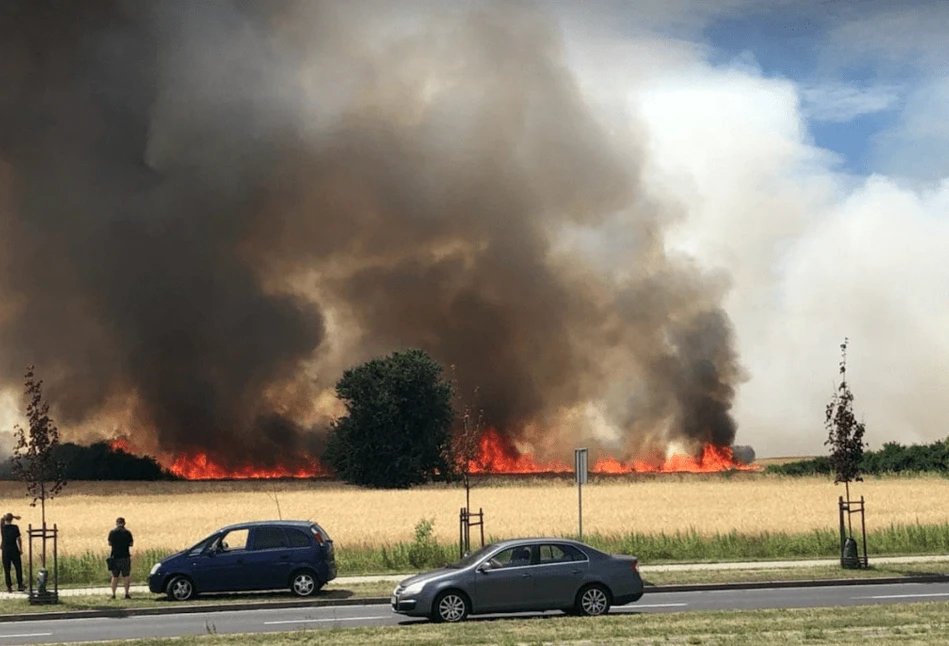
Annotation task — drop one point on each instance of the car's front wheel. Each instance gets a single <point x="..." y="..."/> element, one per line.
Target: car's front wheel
<point x="593" y="600"/>
<point x="450" y="606"/>
<point x="304" y="584"/>
<point x="180" y="588"/>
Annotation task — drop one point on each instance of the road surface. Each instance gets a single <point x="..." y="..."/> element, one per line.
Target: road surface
<point x="279" y="620"/>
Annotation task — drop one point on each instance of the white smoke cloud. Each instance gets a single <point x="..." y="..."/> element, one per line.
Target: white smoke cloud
<point x="814" y="255"/>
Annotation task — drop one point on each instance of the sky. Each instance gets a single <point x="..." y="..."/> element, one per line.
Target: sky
<point x="803" y="151"/>
<point x="807" y="146"/>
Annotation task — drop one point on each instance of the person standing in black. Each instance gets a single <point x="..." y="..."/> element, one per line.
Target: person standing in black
<point x="120" y="539"/>
<point x="11" y="547"/>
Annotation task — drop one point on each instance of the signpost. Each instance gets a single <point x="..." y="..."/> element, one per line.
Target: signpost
<point x="580" y="465"/>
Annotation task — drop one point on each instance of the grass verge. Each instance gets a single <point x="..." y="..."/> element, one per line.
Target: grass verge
<point x="920" y="624"/>
<point x="793" y="574"/>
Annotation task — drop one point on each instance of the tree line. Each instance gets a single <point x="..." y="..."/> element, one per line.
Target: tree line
<point x="891" y="458"/>
<point x="98" y="461"/>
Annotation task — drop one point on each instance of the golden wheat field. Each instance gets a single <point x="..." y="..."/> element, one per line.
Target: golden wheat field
<point x="175" y="514"/>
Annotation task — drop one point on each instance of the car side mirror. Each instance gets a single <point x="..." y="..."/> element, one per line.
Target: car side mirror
<point x="484" y="567"/>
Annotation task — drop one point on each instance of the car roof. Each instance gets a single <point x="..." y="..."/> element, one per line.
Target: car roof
<point x="258" y="523"/>
<point x="548" y="539"/>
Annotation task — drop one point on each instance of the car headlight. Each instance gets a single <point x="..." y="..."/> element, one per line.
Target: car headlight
<point x="155" y="569"/>
<point x="415" y="588"/>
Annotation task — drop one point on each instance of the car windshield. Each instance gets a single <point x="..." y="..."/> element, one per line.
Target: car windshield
<point x="198" y="547"/>
<point x="474" y="557"/>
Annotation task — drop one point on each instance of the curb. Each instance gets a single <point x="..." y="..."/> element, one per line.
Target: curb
<point x="120" y="613"/>
<point x="803" y="583"/>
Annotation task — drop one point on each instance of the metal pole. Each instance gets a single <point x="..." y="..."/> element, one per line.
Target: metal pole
<point x="29" y="531"/>
<point x="580" y="508"/>
<point x="849" y="521"/>
<point x="863" y="525"/>
<point x="481" y="523"/>
<point x="843" y="527"/>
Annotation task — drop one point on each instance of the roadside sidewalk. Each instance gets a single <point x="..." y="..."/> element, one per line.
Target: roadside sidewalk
<point x="645" y="569"/>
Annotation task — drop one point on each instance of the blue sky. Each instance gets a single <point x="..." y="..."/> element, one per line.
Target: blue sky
<point x="872" y="74"/>
<point x="792" y="48"/>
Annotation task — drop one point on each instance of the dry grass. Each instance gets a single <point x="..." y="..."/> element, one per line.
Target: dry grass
<point x="176" y="514"/>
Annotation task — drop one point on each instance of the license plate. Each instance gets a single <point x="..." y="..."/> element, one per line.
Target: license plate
<point x="394" y="600"/>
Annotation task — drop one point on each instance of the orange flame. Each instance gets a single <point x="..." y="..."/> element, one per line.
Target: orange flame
<point x="497" y="455"/>
<point x="200" y="466"/>
<point x="121" y="444"/>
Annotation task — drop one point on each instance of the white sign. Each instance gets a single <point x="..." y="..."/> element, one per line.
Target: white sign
<point x="580" y="462"/>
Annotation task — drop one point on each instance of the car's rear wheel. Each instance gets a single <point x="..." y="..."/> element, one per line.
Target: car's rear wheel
<point x="304" y="583"/>
<point x="180" y="588"/>
<point x="450" y="606"/>
<point x="593" y="600"/>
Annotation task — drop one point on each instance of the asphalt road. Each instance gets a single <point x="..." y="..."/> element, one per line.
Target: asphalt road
<point x="263" y="621"/>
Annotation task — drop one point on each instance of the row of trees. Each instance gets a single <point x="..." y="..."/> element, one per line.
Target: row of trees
<point x="892" y="457"/>
<point x="98" y="461"/>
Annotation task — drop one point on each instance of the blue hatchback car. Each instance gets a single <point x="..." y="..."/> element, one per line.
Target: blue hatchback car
<point x="256" y="556"/>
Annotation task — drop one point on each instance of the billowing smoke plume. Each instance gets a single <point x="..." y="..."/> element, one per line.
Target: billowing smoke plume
<point x="209" y="209"/>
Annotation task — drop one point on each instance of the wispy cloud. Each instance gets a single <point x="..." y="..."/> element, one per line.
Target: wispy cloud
<point x="841" y="102"/>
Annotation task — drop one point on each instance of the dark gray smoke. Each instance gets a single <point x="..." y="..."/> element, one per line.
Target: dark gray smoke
<point x="208" y="209"/>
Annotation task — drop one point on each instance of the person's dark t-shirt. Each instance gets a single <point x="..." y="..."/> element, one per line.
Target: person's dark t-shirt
<point x="120" y="539"/>
<point x="10" y="534"/>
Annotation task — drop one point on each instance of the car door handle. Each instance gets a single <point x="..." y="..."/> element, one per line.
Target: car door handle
<point x="575" y="572"/>
<point x="525" y="576"/>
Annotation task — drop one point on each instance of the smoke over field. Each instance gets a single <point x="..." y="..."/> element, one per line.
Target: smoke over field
<point x="208" y="210"/>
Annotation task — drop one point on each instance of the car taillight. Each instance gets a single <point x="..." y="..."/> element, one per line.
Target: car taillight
<point x="318" y="537"/>
<point x="635" y="566"/>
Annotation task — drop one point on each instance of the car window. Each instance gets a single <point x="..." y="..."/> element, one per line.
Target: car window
<point x="573" y="553"/>
<point x="554" y="554"/>
<point x="199" y="547"/>
<point x="235" y="539"/>
<point x="560" y="554"/>
<point x="269" y="538"/>
<point x="512" y="557"/>
<point x="297" y="538"/>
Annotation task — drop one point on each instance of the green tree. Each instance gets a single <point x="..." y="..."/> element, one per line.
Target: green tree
<point x="844" y="432"/>
<point x="34" y="456"/>
<point x="397" y="427"/>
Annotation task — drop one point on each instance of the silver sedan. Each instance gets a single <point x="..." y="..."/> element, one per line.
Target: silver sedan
<point x="530" y="574"/>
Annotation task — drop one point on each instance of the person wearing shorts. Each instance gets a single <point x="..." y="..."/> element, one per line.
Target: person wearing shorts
<point x="120" y="540"/>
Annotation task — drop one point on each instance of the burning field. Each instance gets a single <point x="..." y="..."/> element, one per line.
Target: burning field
<point x="496" y="456"/>
<point x="196" y="241"/>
